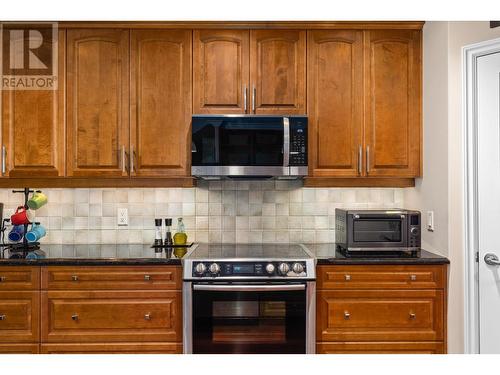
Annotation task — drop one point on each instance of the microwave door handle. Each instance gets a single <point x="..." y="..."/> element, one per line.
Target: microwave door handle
<point x="217" y="144"/>
<point x="286" y="142"/>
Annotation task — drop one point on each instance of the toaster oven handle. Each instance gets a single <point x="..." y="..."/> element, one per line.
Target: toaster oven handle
<point x="286" y="142"/>
<point x="248" y="288"/>
<point x="379" y="217"/>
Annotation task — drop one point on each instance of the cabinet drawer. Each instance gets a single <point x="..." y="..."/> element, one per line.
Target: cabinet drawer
<point x="19" y="348"/>
<point x="380" y="315"/>
<point x="380" y="348"/>
<point x="109" y="348"/>
<point x="19" y="278"/>
<point x="19" y="316"/>
<point x="114" y="277"/>
<point x="381" y="277"/>
<point x="105" y="316"/>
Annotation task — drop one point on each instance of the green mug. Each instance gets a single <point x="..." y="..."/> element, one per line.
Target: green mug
<point x="37" y="200"/>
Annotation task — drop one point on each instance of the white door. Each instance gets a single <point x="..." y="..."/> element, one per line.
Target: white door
<point x="488" y="142"/>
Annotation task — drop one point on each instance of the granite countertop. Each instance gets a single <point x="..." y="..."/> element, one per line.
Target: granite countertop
<point x="328" y="253"/>
<point x="87" y="255"/>
<point x="143" y="254"/>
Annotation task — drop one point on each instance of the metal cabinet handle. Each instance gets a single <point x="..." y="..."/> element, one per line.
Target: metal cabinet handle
<point x="3" y="317"/>
<point x="367" y="159"/>
<point x="347" y="277"/>
<point x="74" y="277"/>
<point x="123" y="159"/>
<point x="360" y="159"/>
<point x="147" y="316"/>
<point x="254" y="93"/>
<point x="491" y="259"/>
<point x="245" y="106"/>
<point x="347" y="315"/>
<point x="413" y="316"/>
<point x="147" y="277"/>
<point x="132" y="157"/>
<point x="74" y="317"/>
<point x="2" y="279"/>
<point x="4" y="159"/>
<point x="413" y="277"/>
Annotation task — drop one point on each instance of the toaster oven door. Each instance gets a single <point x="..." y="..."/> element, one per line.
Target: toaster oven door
<point x="377" y="231"/>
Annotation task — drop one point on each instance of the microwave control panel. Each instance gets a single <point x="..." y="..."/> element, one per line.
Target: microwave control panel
<point x="298" y="141"/>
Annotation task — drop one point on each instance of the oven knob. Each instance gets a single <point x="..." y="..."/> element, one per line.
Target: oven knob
<point x="298" y="268"/>
<point x="214" y="268"/>
<point x="200" y="269"/>
<point x="270" y="268"/>
<point x="284" y="268"/>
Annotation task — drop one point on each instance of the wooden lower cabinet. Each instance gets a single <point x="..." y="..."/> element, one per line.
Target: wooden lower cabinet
<point x="19" y="317"/>
<point x="380" y="348"/>
<point x="111" y="316"/>
<point x="110" y="348"/>
<point x="381" y="309"/>
<point x="19" y="348"/>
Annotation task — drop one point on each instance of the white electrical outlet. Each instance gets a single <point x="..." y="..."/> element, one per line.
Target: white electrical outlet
<point x="122" y="216"/>
<point x="430" y="221"/>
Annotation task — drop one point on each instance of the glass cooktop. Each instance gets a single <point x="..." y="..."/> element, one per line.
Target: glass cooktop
<point x="248" y="251"/>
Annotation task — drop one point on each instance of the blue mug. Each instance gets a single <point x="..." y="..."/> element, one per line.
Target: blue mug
<point x="16" y="233"/>
<point x="37" y="231"/>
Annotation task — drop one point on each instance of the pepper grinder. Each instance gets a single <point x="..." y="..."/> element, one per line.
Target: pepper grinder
<point x="168" y="234"/>
<point x="158" y="239"/>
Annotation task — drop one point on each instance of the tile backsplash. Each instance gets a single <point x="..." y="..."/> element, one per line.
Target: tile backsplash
<point x="215" y="211"/>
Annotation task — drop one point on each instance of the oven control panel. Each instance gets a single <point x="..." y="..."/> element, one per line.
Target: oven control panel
<point x="252" y="269"/>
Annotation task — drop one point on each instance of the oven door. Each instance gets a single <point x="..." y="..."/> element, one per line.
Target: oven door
<point x="377" y="231"/>
<point x="239" y="146"/>
<point x="249" y="318"/>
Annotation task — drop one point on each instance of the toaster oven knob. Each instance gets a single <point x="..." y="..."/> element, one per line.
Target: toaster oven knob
<point x="200" y="269"/>
<point x="284" y="268"/>
<point x="214" y="268"/>
<point x="298" y="268"/>
<point x="414" y="231"/>
<point x="270" y="268"/>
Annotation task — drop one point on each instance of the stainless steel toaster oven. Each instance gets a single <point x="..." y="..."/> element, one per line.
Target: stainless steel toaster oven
<point x="378" y="230"/>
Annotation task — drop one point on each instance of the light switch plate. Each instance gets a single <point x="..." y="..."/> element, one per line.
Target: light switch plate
<point x="122" y="217"/>
<point x="430" y="221"/>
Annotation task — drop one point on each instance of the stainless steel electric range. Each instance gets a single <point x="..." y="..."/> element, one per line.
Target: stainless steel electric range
<point x="246" y="298"/>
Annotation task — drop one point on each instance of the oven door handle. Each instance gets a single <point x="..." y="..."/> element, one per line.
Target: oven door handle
<point x="249" y="288"/>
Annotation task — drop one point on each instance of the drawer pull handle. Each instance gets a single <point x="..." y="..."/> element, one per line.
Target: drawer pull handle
<point x="74" y="277"/>
<point x="2" y="279"/>
<point x="413" y="277"/>
<point x="347" y="277"/>
<point x="3" y="317"/>
<point x="413" y="316"/>
<point x="147" y="277"/>
<point x="347" y="316"/>
<point x="74" y="317"/>
<point x="147" y="316"/>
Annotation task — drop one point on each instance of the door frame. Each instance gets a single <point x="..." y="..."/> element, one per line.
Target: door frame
<point x="470" y="55"/>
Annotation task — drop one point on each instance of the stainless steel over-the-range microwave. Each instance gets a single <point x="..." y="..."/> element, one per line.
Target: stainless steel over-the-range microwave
<point x="378" y="230"/>
<point x="249" y="146"/>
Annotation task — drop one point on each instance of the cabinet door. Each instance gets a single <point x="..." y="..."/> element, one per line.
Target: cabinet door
<point x="161" y="102"/>
<point x="33" y="127"/>
<point x="278" y="71"/>
<point x="335" y="102"/>
<point x="97" y="102"/>
<point x="393" y="102"/>
<point x="220" y="71"/>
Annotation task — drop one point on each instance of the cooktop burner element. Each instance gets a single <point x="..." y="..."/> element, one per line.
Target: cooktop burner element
<point x="249" y="262"/>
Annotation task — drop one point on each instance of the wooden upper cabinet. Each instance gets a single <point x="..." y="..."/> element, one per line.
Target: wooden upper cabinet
<point x="221" y="71"/>
<point x="278" y="71"/>
<point x="33" y="127"/>
<point x="97" y="102"/>
<point x="335" y="102"/>
<point x="393" y="102"/>
<point x="161" y="102"/>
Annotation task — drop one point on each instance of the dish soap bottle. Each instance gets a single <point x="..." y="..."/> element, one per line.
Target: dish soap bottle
<point x="180" y="238"/>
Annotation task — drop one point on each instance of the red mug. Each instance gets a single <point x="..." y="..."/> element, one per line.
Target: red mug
<point x="22" y="216"/>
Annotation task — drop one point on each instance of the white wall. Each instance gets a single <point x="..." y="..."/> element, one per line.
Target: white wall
<point x="441" y="188"/>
